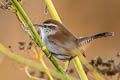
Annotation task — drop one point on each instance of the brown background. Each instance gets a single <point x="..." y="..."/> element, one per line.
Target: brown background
<point x="81" y="17"/>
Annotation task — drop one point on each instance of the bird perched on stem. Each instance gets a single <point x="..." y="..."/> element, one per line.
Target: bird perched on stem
<point x="62" y="43"/>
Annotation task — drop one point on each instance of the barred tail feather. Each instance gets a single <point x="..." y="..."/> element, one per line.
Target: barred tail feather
<point x="85" y="40"/>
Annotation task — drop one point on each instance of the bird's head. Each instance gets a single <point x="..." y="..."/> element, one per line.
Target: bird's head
<point x="49" y="26"/>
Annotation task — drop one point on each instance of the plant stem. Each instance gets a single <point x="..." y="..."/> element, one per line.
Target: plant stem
<point x="52" y="10"/>
<point x="80" y="70"/>
<point x="39" y="55"/>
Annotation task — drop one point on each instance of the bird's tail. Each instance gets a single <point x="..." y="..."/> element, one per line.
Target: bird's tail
<point x="85" y="40"/>
<point x="104" y="34"/>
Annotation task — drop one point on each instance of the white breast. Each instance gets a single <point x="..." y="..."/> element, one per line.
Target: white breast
<point x="50" y="46"/>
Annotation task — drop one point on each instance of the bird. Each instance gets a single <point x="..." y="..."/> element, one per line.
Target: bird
<point x="61" y="43"/>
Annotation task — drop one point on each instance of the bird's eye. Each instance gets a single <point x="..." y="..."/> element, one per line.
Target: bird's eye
<point x="51" y="26"/>
<point x="45" y="26"/>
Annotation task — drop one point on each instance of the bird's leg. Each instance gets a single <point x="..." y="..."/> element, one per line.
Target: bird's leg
<point x="66" y="66"/>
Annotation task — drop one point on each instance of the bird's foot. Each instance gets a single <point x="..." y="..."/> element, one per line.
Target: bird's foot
<point x="50" y="55"/>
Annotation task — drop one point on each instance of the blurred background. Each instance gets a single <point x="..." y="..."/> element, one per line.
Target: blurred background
<point x="81" y="17"/>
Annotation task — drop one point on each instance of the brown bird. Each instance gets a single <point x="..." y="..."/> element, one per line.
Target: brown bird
<point x="61" y="42"/>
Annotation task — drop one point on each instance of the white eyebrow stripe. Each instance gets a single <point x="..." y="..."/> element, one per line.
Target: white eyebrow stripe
<point x="50" y="24"/>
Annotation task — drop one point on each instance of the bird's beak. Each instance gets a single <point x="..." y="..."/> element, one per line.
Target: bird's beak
<point x="38" y="25"/>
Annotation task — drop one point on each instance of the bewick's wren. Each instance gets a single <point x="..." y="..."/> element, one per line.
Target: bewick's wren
<point x="60" y="42"/>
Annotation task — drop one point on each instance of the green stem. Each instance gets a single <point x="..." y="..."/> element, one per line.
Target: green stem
<point x="52" y="10"/>
<point x="80" y="69"/>
<point x="35" y="35"/>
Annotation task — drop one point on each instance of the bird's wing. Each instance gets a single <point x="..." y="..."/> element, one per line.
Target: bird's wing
<point x="64" y="41"/>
